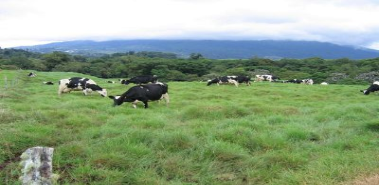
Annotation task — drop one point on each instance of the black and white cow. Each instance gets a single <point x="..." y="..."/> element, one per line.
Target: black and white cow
<point x="223" y="80"/>
<point x="48" y="83"/>
<point x="295" y="81"/>
<point x="143" y="93"/>
<point x="111" y="82"/>
<point x="144" y="79"/>
<point x="307" y="82"/>
<point x="32" y="74"/>
<point x="270" y="78"/>
<point x="373" y="87"/>
<point x="243" y="79"/>
<point x="298" y="81"/>
<point x="80" y="84"/>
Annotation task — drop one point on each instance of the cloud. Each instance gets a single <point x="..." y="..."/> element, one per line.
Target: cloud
<point x="24" y="22"/>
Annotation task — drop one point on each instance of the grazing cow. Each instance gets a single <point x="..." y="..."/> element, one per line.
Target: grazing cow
<point x="111" y="82"/>
<point x="324" y="83"/>
<point x="373" y="87"/>
<point x="307" y="82"/>
<point x="144" y="79"/>
<point x="295" y="81"/>
<point x="270" y="78"/>
<point x="143" y="93"/>
<point x="32" y="74"/>
<point x="242" y="79"/>
<point x="80" y="84"/>
<point x="223" y="80"/>
<point x="48" y="83"/>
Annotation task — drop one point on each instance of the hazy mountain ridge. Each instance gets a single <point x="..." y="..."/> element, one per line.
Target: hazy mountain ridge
<point x="216" y="49"/>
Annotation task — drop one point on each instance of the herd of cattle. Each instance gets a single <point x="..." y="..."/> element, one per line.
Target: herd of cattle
<point x="236" y="80"/>
<point x="149" y="89"/>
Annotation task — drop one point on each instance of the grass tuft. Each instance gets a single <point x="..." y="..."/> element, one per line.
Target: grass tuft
<point x="373" y="126"/>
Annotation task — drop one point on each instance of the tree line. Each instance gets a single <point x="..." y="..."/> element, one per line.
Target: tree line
<point x="169" y="67"/>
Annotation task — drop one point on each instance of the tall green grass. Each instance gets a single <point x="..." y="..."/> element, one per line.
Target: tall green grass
<point x="267" y="133"/>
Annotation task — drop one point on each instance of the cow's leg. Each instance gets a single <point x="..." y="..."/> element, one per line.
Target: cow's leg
<point x="60" y="90"/>
<point x="233" y="82"/>
<point x="63" y="90"/>
<point x="89" y="91"/>
<point x="134" y="104"/>
<point x="166" y="98"/>
<point x="145" y="104"/>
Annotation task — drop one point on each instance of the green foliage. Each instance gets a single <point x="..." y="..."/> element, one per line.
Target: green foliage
<point x="168" y="67"/>
<point x="195" y="56"/>
<point x="55" y="58"/>
<point x="237" y="71"/>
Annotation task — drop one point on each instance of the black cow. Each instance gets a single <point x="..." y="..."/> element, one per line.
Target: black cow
<point x="144" y="79"/>
<point x="223" y="80"/>
<point x="143" y="93"/>
<point x="373" y="87"/>
<point x="48" y="83"/>
<point x="243" y="79"/>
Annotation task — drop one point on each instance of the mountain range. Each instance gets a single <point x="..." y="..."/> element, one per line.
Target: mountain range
<point x="215" y="49"/>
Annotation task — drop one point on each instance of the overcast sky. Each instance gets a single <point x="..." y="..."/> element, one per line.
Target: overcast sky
<point x="347" y="22"/>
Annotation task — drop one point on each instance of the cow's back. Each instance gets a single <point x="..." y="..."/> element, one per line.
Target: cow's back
<point x="155" y="91"/>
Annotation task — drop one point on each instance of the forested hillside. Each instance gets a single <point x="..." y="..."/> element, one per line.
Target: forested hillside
<point x="171" y="68"/>
<point x="214" y="49"/>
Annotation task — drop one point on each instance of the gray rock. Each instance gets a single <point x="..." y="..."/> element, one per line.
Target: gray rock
<point x="369" y="77"/>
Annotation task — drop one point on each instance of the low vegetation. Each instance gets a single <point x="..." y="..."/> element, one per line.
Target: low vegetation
<point x="267" y="133"/>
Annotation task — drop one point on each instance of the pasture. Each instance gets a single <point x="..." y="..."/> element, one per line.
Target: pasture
<point x="266" y="133"/>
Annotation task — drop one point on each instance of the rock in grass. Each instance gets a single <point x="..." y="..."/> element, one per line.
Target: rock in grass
<point x="37" y="166"/>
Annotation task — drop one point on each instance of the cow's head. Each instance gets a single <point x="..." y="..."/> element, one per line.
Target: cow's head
<point x="125" y="82"/>
<point x="102" y="92"/>
<point x="210" y="82"/>
<point x="117" y="100"/>
<point x="93" y="87"/>
<point x="365" y="92"/>
<point x="372" y="88"/>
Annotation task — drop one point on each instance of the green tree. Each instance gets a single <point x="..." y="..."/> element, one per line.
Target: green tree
<point x="22" y="62"/>
<point x="236" y="71"/>
<point x="195" y="56"/>
<point x="55" y="58"/>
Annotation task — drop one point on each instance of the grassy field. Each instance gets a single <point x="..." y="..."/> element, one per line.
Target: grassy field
<point x="268" y="133"/>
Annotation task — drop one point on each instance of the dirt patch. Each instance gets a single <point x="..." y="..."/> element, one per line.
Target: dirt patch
<point x="9" y="161"/>
<point x="371" y="180"/>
